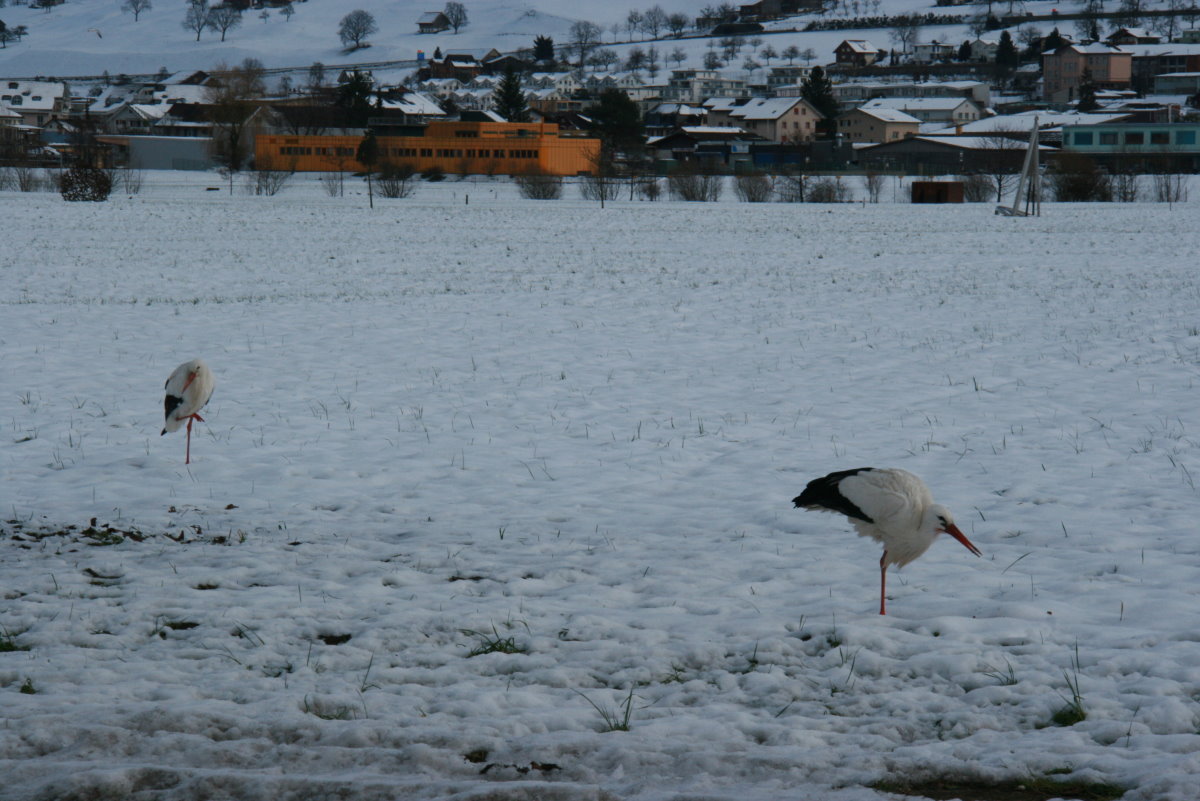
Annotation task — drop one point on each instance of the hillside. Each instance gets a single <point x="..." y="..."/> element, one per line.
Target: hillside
<point x="89" y="37"/>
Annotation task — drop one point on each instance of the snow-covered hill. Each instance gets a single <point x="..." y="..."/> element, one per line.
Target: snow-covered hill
<point x="89" y="37"/>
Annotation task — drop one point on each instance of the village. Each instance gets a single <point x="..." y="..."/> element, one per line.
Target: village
<point x="1120" y="104"/>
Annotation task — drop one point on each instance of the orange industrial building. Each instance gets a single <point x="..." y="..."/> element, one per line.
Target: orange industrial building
<point x="491" y="148"/>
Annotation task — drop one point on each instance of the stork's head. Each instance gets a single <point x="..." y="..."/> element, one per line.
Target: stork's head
<point x="941" y="519"/>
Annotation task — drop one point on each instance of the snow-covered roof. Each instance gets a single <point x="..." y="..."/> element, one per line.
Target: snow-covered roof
<point x="1094" y="49"/>
<point x="917" y="103"/>
<point x="1151" y="50"/>
<point x="765" y="108"/>
<point x="416" y="104"/>
<point x="860" y="46"/>
<point x="1023" y="121"/>
<point x="31" y="95"/>
<point x="722" y="103"/>
<point x="429" y="17"/>
<point x="977" y="142"/>
<point x="888" y="114"/>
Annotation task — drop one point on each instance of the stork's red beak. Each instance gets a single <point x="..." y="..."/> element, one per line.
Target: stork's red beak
<point x="191" y="377"/>
<point x="953" y="531"/>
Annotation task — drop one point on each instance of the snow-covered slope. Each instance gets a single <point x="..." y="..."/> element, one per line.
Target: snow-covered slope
<point x="86" y="37"/>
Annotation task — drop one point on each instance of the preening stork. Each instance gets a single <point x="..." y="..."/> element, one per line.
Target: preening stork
<point x="888" y="505"/>
<point x="188" y="389"/>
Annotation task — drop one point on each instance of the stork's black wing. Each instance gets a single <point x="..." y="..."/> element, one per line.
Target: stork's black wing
<point x="823" y="493"/>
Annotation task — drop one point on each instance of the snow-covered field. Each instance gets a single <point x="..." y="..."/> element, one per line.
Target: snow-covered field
<point x="442" y="428"/>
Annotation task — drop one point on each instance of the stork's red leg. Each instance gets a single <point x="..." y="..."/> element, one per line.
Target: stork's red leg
<point x="883" y="584"/>
<point x="188" y="458"/>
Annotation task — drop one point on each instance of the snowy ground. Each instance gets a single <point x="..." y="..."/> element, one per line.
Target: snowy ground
<point x="441" y="426"/>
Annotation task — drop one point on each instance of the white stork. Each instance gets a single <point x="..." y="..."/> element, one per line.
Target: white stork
<point x="888" y="505"/>
<point x="188" y="389"/>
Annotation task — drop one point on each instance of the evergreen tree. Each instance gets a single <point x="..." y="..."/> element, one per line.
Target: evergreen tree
<point x="1087" y="92"/>
<point x="1007" y="57"/>
<point x="354" y="97"/>
<point x="543" y="48"/>
<point x="617" y="120"/>
<point x="1052" y="42"/>
<point x="368" y="156"/>
<point x="508" y="100"/>
<point x="368" y="150"/>
<point x="817" y="89"/>
<point x="964" y="51"/>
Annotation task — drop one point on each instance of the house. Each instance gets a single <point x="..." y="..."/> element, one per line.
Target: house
<point x="784" y="120"/>
<point x="696" y="85"/>
<point x="857" y="53"/>
<point x="551" y="102"/>
<point x="984" y="49"/>
<point x="790" y="75"/>
<point x="933" y="52"/>
<point x="192" y="120"/>
<point x="876" y="125"/>
<point x="35" y="101"/>
<point x="1132" y="36"/>
<point x="944" y="110"/>
<point x="666" y="117"/>
<point x="1111" y="67"/>
<point x="857" y="93"/>
<point x="462" y="65"/>
<point x="432" y="22"/>
<point x="134" y="118"/>
<point x="1177" y="83"/>
<point x="1159" y="59"/>
<point x="704" y="142"/>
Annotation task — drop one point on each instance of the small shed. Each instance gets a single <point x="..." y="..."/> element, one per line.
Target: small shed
<point x="432" y="22"/>
<point x="937" y="192"/>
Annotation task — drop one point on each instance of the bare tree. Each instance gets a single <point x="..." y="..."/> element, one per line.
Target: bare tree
<point x="232" y="105"/>
<point x="906" y="34"/>
<point x="355" y="27"/>
<point x="224" y="19"/>
<point x="287" y="11"/>
<point x="767" y="53"/>
<point x="654" y="21"/>
<point x="791" y="53"/>
<point x="135" y="7"/>
<point x="456" y="15"/>
<point x="873" y="183"/>
<point x="196" y="17"/>
<point x="633" y="22"/>
<point x="678" y="55"/>
<point x="584" y="36"/>
<point x="537" y="185"/>
<point x="753" y="187"/>
<point x="603" y="58"/>
<point x="677" y="23"/>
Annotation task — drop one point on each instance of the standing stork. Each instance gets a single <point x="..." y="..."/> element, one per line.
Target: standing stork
<point x="888" y="505"/>
<point x="188" y="389"/>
